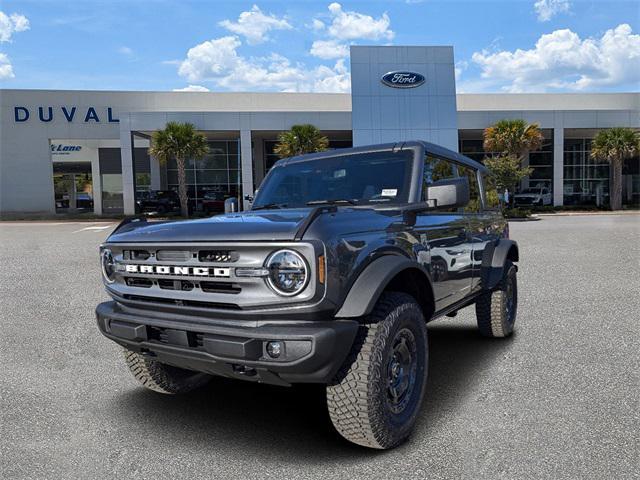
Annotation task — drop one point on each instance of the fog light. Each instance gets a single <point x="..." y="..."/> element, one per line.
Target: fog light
<point x="274" y="349"/>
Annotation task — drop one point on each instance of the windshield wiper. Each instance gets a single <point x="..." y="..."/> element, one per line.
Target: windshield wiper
<point x="335" y="201"/>
<point x="269" y="206"/>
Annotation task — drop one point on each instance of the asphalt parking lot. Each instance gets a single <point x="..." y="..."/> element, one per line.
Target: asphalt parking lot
<point x="561" y="399"/>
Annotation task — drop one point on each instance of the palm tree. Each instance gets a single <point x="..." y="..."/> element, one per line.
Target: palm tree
<point x="180" y="141"/>
<point x="615" y="145"/>
<point x="299" y="140"/>
<point x="510" y="141"/>
<point x="514" y="138"/>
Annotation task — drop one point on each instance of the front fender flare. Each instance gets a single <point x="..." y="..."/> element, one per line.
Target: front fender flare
<point x="370" y="284"/>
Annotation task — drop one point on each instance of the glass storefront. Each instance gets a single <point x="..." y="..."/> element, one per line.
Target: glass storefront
<point x="111" y="181"/>
<point x="541" y="161"/>
<point x="217" y="173"/>
<point x="73" y="187"/>
<point x="586" y="181"/>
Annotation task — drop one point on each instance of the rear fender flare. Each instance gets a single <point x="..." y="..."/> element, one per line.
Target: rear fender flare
<point x="493" y="261"/>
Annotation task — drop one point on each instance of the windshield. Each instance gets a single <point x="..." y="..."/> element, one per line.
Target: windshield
<point x="361" y="178"/>
<point x="531" y="190"/>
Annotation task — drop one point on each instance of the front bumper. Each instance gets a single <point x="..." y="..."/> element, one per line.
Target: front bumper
<point x="312" y="350"/>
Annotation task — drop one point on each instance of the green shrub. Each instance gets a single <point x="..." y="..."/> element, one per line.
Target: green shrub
<point x="516" y="212"/>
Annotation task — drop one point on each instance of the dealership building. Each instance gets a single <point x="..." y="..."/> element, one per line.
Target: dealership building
<point x="67" y="151"/>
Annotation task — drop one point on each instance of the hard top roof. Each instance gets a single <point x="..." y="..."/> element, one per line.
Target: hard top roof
<point x="428" y="147"/>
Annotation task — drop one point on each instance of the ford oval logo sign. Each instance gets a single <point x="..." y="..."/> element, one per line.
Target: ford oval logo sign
<point x="402" y="79"/>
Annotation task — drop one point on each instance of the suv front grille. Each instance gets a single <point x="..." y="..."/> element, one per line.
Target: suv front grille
<point x="185" y="276"/>
<point x="220" y="287"/>
<point x="173" y="255"/>
<point x="139" y="282"/>
<point x="182" y="303"/>
<point x="182" y="285"/>
<point x="217" y="256"/>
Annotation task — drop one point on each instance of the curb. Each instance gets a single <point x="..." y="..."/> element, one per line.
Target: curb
<point x="571" y="214"/>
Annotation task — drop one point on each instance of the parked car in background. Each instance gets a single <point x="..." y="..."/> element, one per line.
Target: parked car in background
<point x="213" y="202"/>
<point x="84" y="201"/>
<point x="158" y="201"/>
<point x="538" y="196"/>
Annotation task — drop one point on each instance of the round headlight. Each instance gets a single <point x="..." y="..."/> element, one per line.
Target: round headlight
<point x="288" y="273"/>
<point x="108" y="265"/>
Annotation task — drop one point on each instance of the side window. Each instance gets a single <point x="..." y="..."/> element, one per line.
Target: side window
<point x="492" y="197"/>
<point x="436" y="169"/>
<point x="475" y="202"/>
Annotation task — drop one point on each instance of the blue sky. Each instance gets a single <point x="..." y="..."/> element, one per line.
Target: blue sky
<point x="500" y="46"/>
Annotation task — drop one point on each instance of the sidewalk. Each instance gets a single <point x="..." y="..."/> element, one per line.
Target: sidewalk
<point x="599" y="212"/>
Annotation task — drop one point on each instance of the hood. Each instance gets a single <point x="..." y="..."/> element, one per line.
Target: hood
<point x="262" y="225"/>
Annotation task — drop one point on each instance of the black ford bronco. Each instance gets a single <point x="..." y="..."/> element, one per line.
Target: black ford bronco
<point x="329" y="278"/>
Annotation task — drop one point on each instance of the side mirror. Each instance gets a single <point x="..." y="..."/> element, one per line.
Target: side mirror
<point x="449" y="193"/>
<point x="231" y="205"/>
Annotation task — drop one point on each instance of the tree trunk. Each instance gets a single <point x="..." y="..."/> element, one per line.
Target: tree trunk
<point x="616" y="194"/>
<point x="182" y="187"/>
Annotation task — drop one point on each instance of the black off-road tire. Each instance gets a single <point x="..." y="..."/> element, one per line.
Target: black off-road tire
<point x="496" y="310"/>
<point x="361" y="399"/>
<point x="163" y="378"/>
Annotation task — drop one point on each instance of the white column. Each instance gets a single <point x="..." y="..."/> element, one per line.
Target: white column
<point x="154" y="165"/>
<point x="246" y="162"/>
<point x="258" y="152"/>
<point x="96" y="181"/>
<point x="558" y="166"/>
<point x="126" y="156"/>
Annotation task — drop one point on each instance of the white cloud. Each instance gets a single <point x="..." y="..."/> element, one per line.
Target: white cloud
<point x="10" y="24"/>
<point x="210" y="59"/>
<point x="6" y="69"/>
<point x="460" y="67"/>
<point x="354" y="25"/>
<point x="192" y="88"/>
<point x="219" y="62"/>
<point x="125" y="51"/>
<point x="317" y="25"/>
<point x="254" y="25"/>
<point x="546" y="9"/>
<point x="562" y="60"/>
<point x="329" y="49"/>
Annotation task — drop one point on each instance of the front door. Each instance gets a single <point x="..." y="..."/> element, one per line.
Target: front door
<point x="450" y="251"/>
<point x="448" y="238"/>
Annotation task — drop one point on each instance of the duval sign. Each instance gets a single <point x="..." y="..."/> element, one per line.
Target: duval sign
<point x="66" y="113"/>
<point x="401" y="79"/>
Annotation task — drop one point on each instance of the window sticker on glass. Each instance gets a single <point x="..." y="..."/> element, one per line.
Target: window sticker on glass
<point x="339" y="173"/>
<point x="389" y="192"/>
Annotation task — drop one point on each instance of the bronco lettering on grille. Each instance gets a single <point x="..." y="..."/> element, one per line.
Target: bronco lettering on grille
<point x="170" y="270"/>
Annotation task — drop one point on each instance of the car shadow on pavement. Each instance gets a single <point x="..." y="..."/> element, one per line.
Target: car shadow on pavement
<point x="259" y="419"/>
